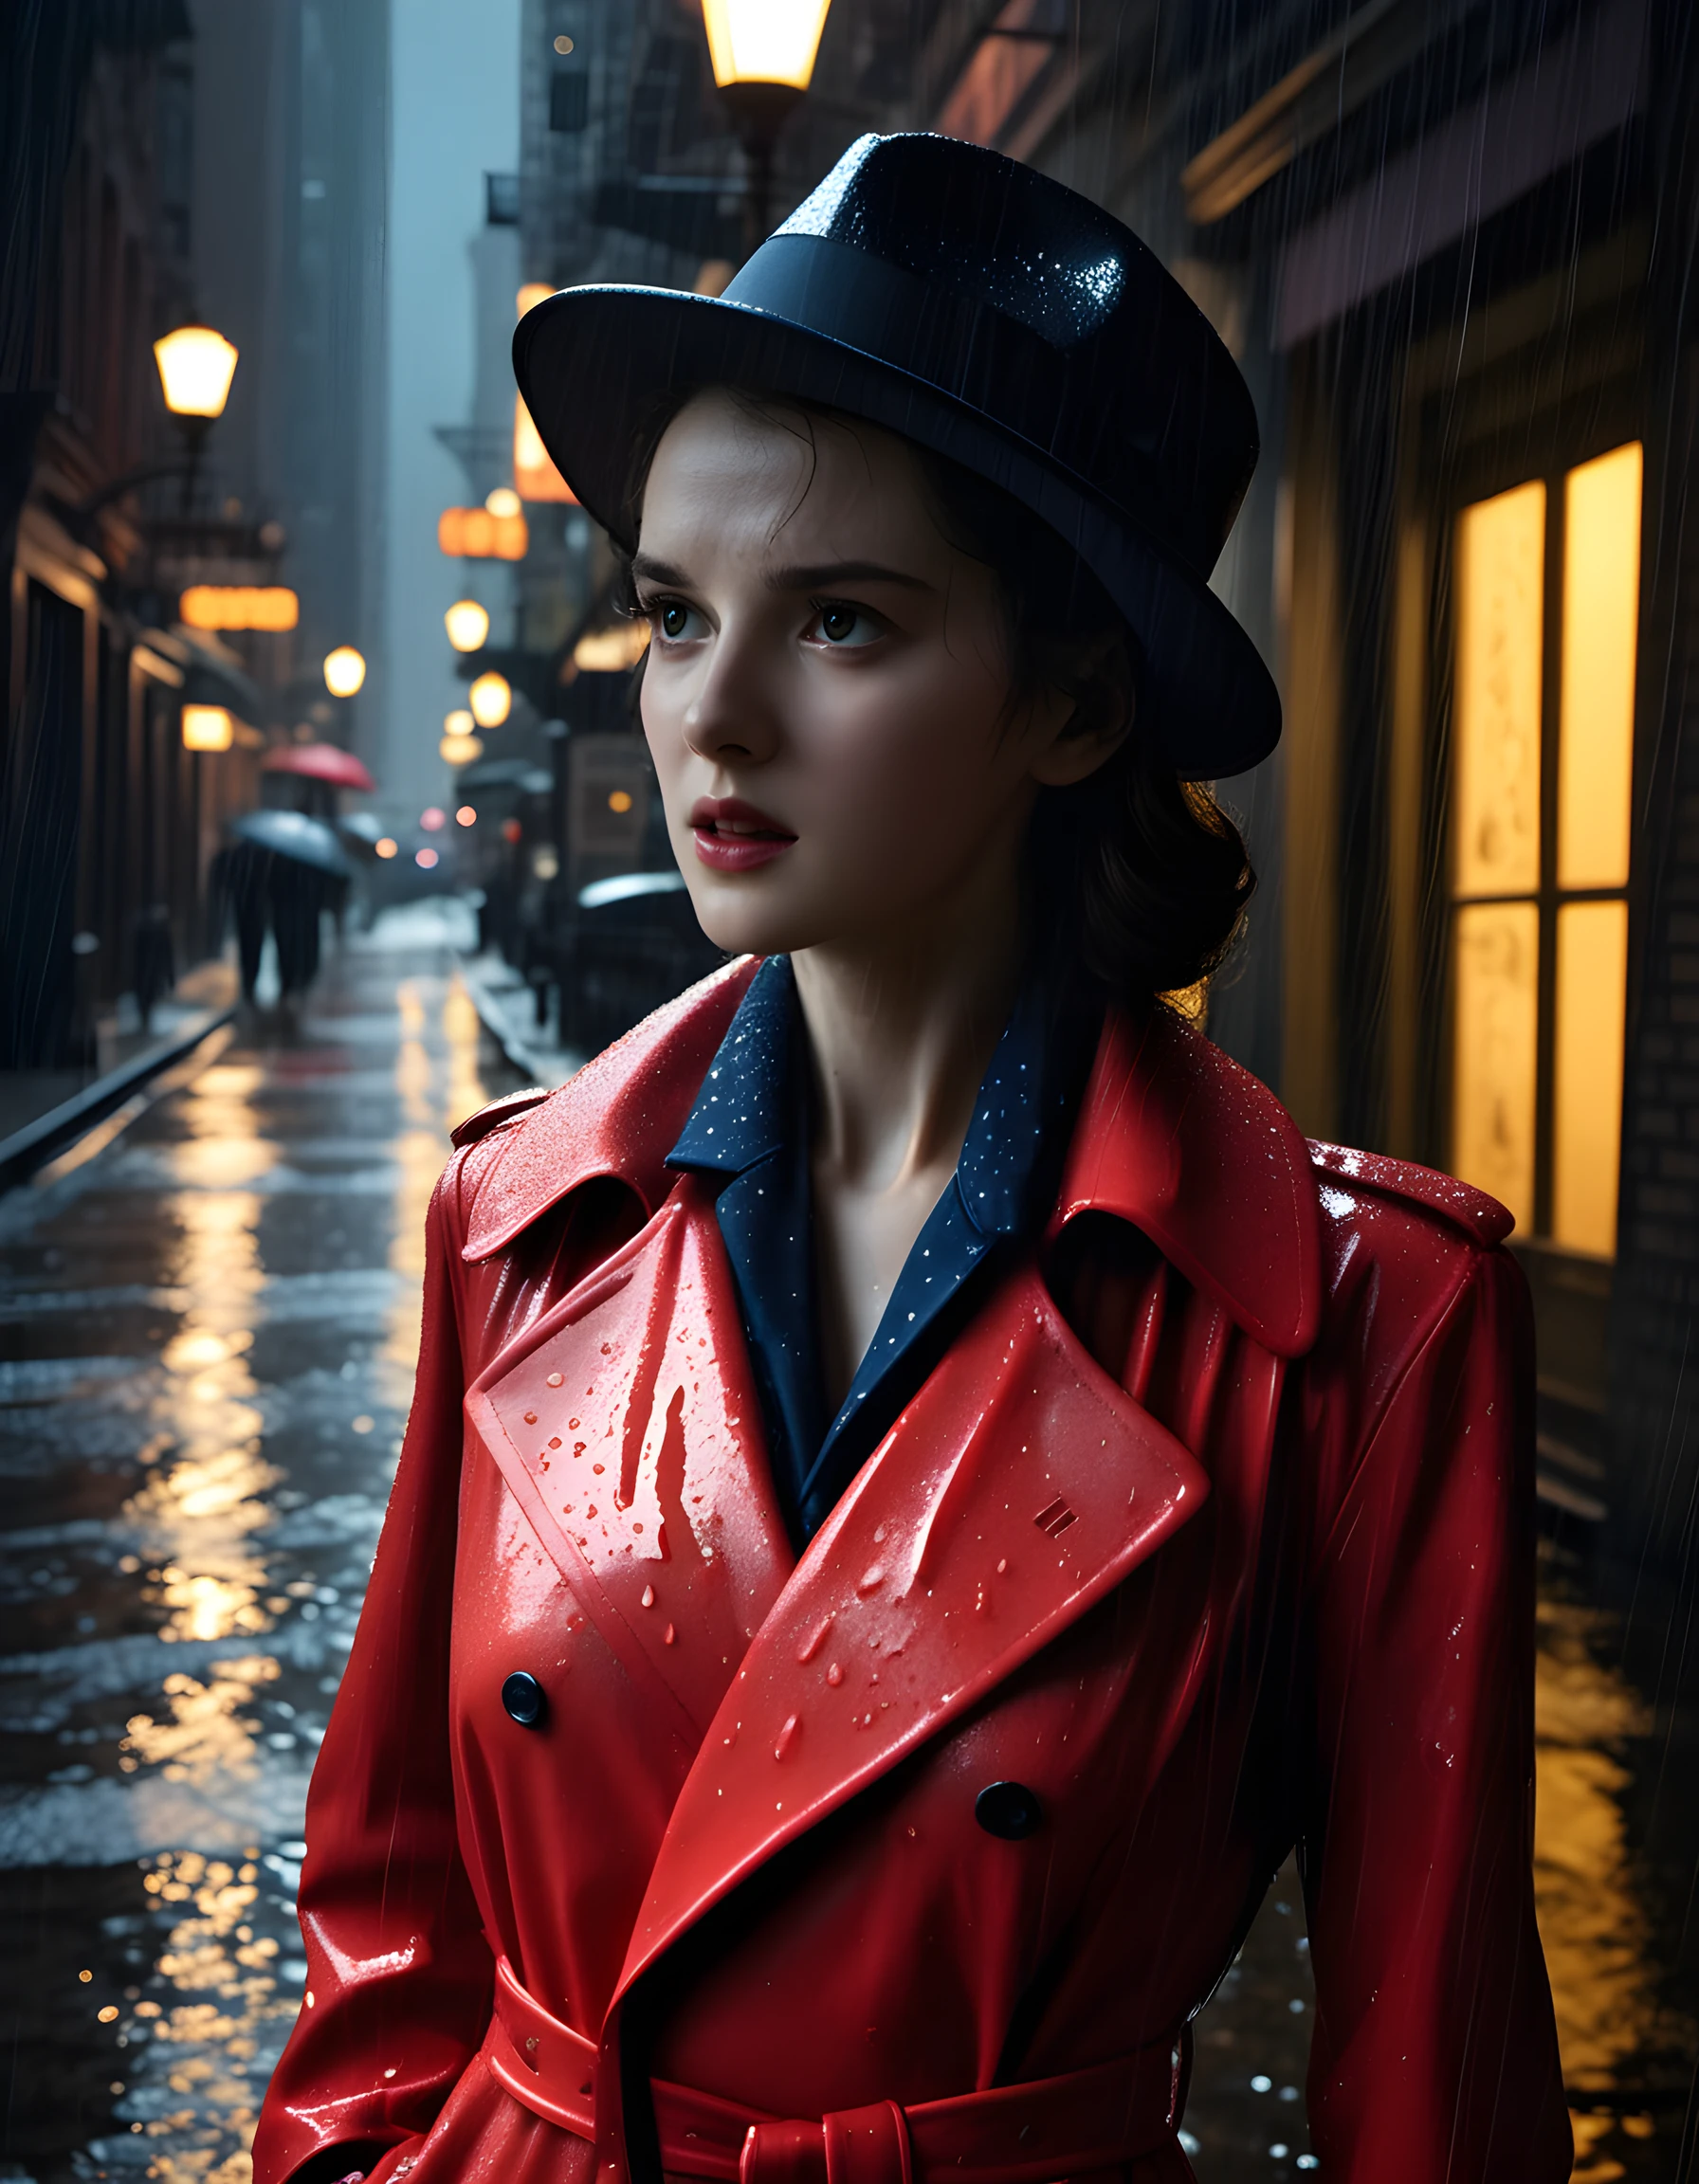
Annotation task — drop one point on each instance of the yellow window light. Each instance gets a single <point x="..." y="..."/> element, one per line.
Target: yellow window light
<point x="764" y="40"/>
<point x="386" y="845"/>
<point x="1601" y="619"/>
<point x="271" y="607"/>
<point x="1501" y="563"/>
<point x="492" y="700"/>
<point x="459" y="723"/>
<point x="467" y="625"/>
<point x="1592" y="1001"/>
<point x="605" y="651"/>
<point x="195" y="369"/>
<point x="344" y="671"/>
<point x="208" y="728"/>
<point x="459" y="750"/>
<point x="1495" y="967"/>
<point x="479" y="534"/>
<point x="502" y="502"/>
<point x="530" y="295"/>
<point x="619" y="800"/>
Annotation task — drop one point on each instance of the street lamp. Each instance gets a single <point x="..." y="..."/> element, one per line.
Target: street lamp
<point x="344" y="671"/>
<point x="763" y="56"/>
<point x="467" y="625"/>
<point x="208" y="728"/>
<point x="490" y="699"/>
<point x="196" y="366"/>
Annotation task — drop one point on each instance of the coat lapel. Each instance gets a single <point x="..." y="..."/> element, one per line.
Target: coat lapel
<point x="1018" y="1487"/>
<point x="627" y="1428"/>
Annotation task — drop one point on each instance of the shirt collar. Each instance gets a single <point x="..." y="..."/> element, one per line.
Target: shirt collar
<point x="744" y="1112"/>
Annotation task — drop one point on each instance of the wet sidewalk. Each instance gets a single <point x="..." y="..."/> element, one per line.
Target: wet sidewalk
<point x="209" y="1332"/>
<point x="206" y="1338"/>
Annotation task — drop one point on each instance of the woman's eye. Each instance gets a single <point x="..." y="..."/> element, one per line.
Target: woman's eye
<point x="845" y="625"/>
<point x="674" y="618"/>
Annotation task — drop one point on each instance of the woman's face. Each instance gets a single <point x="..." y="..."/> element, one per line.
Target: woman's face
<point x="826" y="689"/>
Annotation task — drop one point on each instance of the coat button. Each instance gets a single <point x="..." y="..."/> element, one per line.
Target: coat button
<point x="525" y="1699"/>
<point x="1009" y="1810"/>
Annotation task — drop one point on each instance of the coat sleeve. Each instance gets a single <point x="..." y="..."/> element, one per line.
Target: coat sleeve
<point x="399" y="1976"/>
<point x="1435" y="2059"/>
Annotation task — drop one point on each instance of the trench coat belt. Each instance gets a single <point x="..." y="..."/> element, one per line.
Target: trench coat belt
<point x="1028" y="2134"/>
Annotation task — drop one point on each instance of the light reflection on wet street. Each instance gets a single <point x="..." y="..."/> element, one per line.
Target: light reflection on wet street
<point x="207" y="1340"/>
<point x="208" y="1334"/>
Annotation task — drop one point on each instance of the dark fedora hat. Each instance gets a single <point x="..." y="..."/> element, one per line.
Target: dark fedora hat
<point x="999" y="318"/>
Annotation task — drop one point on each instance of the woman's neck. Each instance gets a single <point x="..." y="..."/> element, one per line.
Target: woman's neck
<point x="900" y="1031"/>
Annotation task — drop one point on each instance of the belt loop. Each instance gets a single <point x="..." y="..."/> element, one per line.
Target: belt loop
<point x="782" y="2154"/>
<point x="868" y="2145"/>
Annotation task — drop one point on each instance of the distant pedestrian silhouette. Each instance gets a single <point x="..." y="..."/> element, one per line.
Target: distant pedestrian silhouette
<point x="259" y="889"/>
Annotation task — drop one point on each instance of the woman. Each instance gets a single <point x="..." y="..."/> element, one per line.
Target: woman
<point x="922" y="1487"/>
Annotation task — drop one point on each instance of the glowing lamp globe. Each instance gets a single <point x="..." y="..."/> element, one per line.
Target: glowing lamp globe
<point x="491" y="699"/>
<point x="208" y="728"/>
<point x="459" y="750"/>
<point x="764" y="40"/>
<point x="195" y="369"/>
<point x="344" y="671"/>
<point x="503" y="502"/>
<point x="467" y="625"/>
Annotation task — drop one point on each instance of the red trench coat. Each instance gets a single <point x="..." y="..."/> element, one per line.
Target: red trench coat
<point x="1212" y="1531"/>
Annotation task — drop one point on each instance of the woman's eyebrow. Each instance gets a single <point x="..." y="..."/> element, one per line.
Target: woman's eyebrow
<point x="817" y="575"/>
<point x="658" y="572"/>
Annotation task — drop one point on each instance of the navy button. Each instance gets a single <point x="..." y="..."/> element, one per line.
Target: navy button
<point x="525" y="1699"/>
<point x="1009" y="1810"/>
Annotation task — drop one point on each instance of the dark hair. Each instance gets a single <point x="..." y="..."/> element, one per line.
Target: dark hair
<point x="1139" y="878"/>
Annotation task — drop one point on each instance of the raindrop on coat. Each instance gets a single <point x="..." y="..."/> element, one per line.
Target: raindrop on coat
<point x="871" y="1580"/>
<point x="786" y="1737"/>
<point x="834" y="1675"/>
<point x="555" y="1379"/>
<point x="649" y="1595"/>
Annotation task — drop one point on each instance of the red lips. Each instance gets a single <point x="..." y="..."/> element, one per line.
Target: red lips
<point x="733" y="836"/>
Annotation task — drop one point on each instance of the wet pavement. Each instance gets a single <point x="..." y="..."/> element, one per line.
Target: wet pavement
<point x="208" y="1323"/>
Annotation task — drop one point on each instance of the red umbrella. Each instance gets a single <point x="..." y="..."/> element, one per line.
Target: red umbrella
<point x="319" y="762"/>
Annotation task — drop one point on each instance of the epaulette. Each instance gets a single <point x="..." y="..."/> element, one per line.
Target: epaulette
<point x="498" y="1112"/>
<point x="1472" y="1211"/>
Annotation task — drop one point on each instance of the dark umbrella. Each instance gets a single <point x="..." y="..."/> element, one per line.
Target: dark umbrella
<point x="292" y="834"/>
<point x="361" y="827"/>
<point x="508" y="774"/>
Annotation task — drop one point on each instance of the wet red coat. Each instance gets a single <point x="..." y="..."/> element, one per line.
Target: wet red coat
<point x="1212" y="1533"/>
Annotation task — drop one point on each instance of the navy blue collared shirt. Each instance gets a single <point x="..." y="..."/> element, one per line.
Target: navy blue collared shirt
<point x="751" y="1125"/>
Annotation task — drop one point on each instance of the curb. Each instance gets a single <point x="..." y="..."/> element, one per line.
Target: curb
<point x="36" y="1143"/>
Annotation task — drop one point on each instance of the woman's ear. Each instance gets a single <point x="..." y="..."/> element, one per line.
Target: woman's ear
<point x="1079" y="725"/>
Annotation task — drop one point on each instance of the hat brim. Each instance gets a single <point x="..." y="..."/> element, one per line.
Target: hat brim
<point x="596" y="364"/>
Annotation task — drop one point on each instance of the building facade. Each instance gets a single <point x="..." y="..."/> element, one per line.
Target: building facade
<point x="169" y="165"/>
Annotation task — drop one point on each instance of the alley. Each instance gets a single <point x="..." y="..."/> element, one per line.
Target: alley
<point x="209" y="1321"/>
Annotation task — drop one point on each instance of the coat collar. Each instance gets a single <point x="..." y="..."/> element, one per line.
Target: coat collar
<point x="1172" y="1135"/>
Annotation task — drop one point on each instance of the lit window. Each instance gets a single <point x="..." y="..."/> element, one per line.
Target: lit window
<point x="1539" y="878"/>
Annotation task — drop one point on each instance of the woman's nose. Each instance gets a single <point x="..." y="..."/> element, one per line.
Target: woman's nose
<point x="732" y="715"/>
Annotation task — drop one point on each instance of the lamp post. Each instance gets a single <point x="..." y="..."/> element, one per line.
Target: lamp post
<point x="763" y="55"/>
<point x="196" y="366"/>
